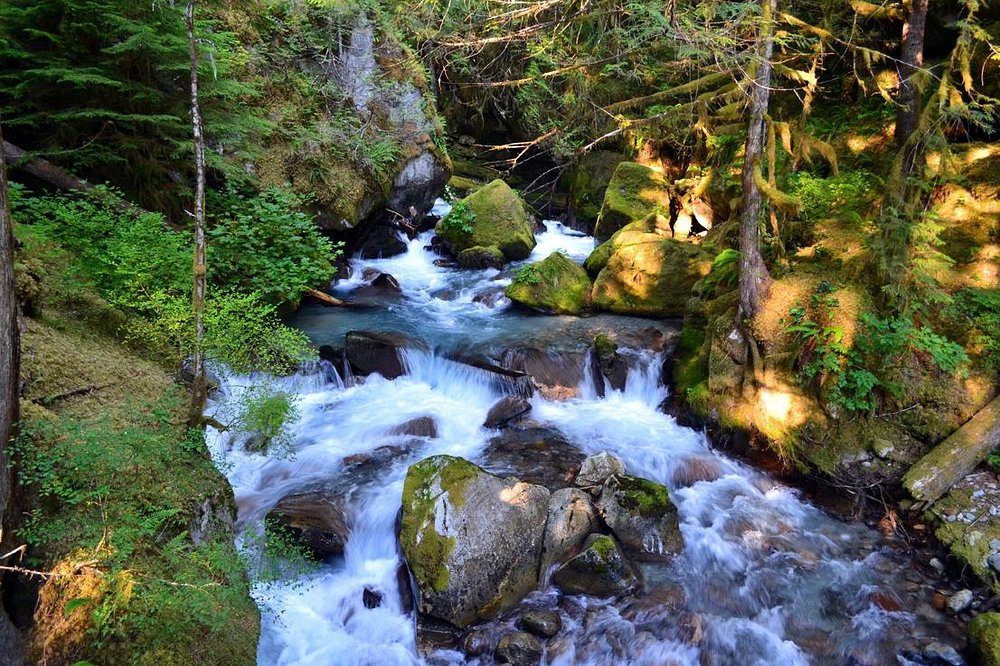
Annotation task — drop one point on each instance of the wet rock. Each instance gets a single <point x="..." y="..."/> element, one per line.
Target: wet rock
<point x="481" y="257"/>
<point x="641" y="515"/>
<point x="494" y="217"/>
<point x="477" y="642"/>
<point x="543" y="623"/>
<point x="939" y="654"/>
<point x="363" y="466"/>
<point x="435" y="634"/>
<point x="993" y="562"/>
<point x="533" y="453"/>
<point x="690" y="471"/>
<point x="984" y="639"/>
<point x="510" y="381"/>
<point x="596" y="469"/>
<point x="960" y="601"/>
<point x="379" y="241"/>
<point x="316" y="520"/>
<point x="547" y="369"/>
<point x="490" y="297"/>
<point x="556" y="284"/>
<point x="473" y="541"/>
<point x="506" y="409"/>
<point x="520" y="649"/>
<point x="370" y="351"/>
<point x="333" y="355"/>
<point x="611" y="365"/>
<point x="600" y="570"/>
<point x="422" y="426"/>
<point x="371" y="598"/>
<point x="571" y="519"/>
<point x="387" y="284"/>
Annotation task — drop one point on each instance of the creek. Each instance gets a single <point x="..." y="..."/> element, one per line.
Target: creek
<point x="764" y="577"/>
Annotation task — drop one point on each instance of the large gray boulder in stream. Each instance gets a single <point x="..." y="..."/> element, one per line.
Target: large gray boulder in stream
<point x="571" y="520"/>
<point x="472" y="540"/>
<point x="641" y="515"/>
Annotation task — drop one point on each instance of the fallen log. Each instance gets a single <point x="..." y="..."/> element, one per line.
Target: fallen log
<point x="326" y="299"/>
<point x="934" y="474"/>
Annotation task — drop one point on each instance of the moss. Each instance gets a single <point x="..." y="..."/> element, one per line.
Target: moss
<point x="646" y="497"/>
<point x="555" y="284"/>
<point x="492" y="216"/>
<point x="598" y="259"/>
<point x="604" y="547"/>
<point x="426" y="550"/>
<point x="481" y="257"/>
<point x="605" y="346"/>
<point x="634" y="192"/>
<point x="984" y="638"/>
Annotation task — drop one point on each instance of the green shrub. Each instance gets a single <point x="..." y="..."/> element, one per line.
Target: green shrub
<point x="459" y="219"/>
<point x="846" y="196"/>
<point x="978" y="311"/>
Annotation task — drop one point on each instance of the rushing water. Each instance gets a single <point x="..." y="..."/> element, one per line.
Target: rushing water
<point x="765" y="578"/>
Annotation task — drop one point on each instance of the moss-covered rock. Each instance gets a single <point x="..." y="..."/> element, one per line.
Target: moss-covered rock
<point x="641" y="515"/>
<point x="600" y="570"/>
<point x="634" y="192"/>
<point x="588" y="181"/>
<point x="473" y="541"/>
<point x="598" y="259"/>
<point x="984" y="639"/>
<point x="493" y="216"/>
<point x="481" y="257"/>
<point x="648" y="273"/>
<point x="555" y="284"/>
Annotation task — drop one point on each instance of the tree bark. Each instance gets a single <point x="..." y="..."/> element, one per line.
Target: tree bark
<point x="9" y="340"/>
<point x="754" y="278"/>
<point x="908" y="109"/>
<point x="199" y="387"/>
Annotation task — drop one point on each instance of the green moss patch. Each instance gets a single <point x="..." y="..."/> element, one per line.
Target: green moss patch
<point x="555" y="284"/>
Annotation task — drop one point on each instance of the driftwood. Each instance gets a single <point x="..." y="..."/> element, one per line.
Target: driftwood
<point x="327" y="299"/>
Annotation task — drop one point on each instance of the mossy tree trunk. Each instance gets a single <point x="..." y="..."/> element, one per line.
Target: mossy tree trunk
<point x="9" y="339"/>
<point x="910" y="61"/>
<point x="754" y="278"/>
<point x="199" y="390"/>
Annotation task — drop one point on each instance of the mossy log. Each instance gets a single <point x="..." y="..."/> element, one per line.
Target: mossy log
<point x="956" y="456"/>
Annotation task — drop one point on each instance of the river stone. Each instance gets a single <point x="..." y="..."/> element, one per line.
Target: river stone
<point x="507" y="409"/>
<point x="571" y="519"/>
<point x="473" y="541"/>
<point x="641" y="515"/>
<point x="316" y="520"/>
<point x="960" y="601"/>
<point x="553" y="370"/>
<point x="496" y="218"/>
<point x="533" y="453"/>
<point x="370" y="351"/>
<point x="422" y="426"/>
<point x="520" y="649"/>
<point x="543" y="623"/>
<point x="939" y="654"/>
<point x="984" y="638"/>
<point x="596" y="469"/>
<point x="601" y="570"/>
<point x="555" y="284"/>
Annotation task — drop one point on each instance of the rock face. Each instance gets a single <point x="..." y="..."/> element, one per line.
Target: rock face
<point x="646" y="272"/>
<point x="641" y="515"/>
<point x="600" y="570"/>
<point x="588" y="181"/>
<point x="571" y="520"/>
<point x="555" y="284"/>
<point x="315" y="520"/>
<point x="634" y="192"/>
<point x="491" y="217"/>
<point x="472" y="540"/>
<point x="369" y="351"/>
<point x="984" y="639"/>
<point x="952" y="459"/>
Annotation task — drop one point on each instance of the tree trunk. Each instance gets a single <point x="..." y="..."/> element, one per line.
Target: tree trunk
<point x="754" y="278"/>
<point x="9" y="340"/>
<point x="199" y="387"/>
<point x="908" y="109"/>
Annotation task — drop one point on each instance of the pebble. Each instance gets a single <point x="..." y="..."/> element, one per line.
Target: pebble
<point x="994" y="562"/>
<point x="960" y="601"/>
<point x="945" y="655"/>
<point x="939" y="600"/>
<point x="994" y="544"/>
<point x="937" y="565"/>
<point x="541" y="623"/>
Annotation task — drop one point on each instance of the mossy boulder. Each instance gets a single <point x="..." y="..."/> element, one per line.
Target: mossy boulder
<point x="472" y="540"/>
<point x="647" y="273"/>
<point x="600" y="570"/>
<point x="984" y="639"/>
<point x="493" y="216"/>
<point x="634" y="192"/>
<point x="555" y="284"/>
<point x="588" y="181"/>
<point x="481" y="257"/>
<point x="641" y="515"/>
<point x="598" y="259"/>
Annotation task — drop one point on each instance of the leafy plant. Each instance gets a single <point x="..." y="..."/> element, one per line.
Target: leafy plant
<point x="528" y="274"/>
<point x="459" y="219"/>
<point x="265" y="413"/>
<point x="724" y="273"/>
<point x="846" y="196"/>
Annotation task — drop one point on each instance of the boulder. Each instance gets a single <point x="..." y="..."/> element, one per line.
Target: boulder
<point x="589" y="178"/>
<point x="601" y="570"/>
<point x="553" y="371"/>
<point x="370" y="351"/>
<point x="596" y="469"/>
<point x="316" y="520"/>
<point x="377" y="241"/>
<point x="472" y="540"/>
<point x="556" y="284"/>
<point x="571" y="519"/>
<point x="598" y="259"/>
<point x="543" y="623"/>
<point x="481" y="257"/>
<point x="984" y="638"/>
<point x="647" y="273"/>
<point x="520" y="649"/>
<point x="422" y="426"/>
<point x="611" y="365"/>
<point x="493" y="216"/>
<point x="641" y="515"/>
<point x="533" y="453"/>
<point x="507" y="409"/>
<point x="634" y="192"/>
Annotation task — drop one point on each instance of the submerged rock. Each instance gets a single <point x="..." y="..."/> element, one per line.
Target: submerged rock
<point x="634" y="192"/>
<point x="556" y="284"/>
<point x="541" y="623"/>
<point x="641" y="515"/>
<point x="370" y="351"/>
<point x="507" y="409"/>
<point x="601" y="570"/>
<point x="472" y="540"/>
<point x="984" y="639"/>
<point x="571" y="519"/>
<point x="316" y="520"/>
<point x="494" y="217"/>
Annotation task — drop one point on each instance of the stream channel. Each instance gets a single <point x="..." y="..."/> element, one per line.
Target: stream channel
<point x="764" y="577"/>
